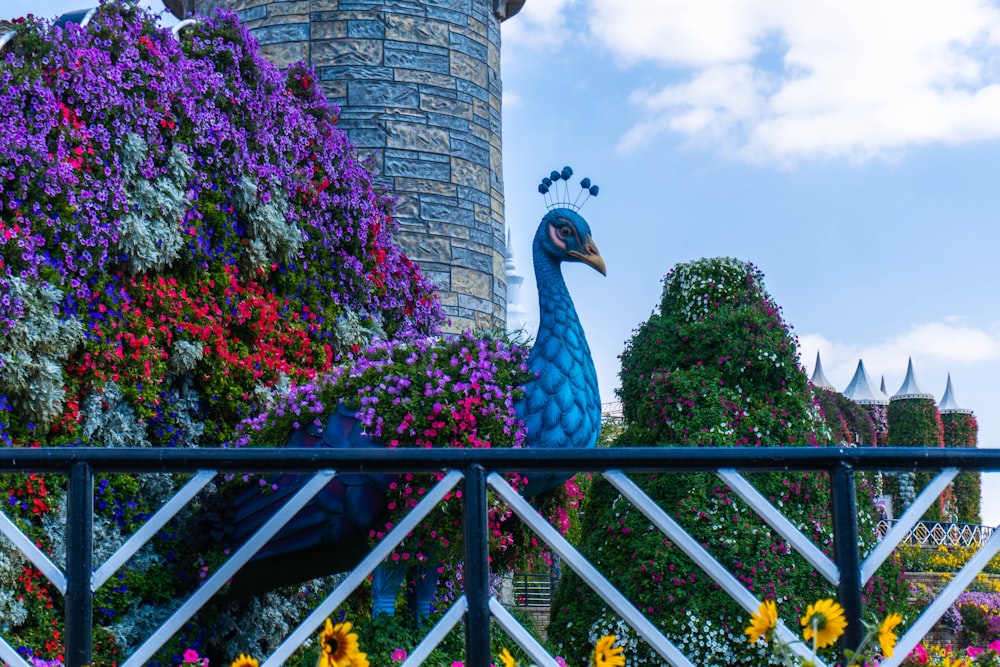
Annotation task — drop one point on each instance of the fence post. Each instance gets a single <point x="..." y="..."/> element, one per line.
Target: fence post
<point x="845" y="552"/>
<point x="79" y="564"/>
<point x="477" y="569"/>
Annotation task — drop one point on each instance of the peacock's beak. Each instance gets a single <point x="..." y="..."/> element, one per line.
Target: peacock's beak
<point x="591" y="257"/>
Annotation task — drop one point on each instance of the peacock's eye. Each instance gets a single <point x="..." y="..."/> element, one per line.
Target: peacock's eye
<point x="565" y="232"/>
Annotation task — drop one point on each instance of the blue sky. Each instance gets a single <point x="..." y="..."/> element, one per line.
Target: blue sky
<point x="849" y="149"/>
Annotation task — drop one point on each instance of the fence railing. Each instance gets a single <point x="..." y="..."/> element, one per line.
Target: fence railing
<point x="941" y="533"/>
<point x="478" y="470"/>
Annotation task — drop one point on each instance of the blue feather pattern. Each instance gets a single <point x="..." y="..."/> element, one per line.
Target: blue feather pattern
<point x="561" y="407"/>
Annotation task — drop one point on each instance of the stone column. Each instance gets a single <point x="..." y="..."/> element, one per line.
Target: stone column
<point x="418" y="86"/>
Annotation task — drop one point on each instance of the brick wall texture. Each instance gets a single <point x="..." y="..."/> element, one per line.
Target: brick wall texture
<point x="418" y="86"/>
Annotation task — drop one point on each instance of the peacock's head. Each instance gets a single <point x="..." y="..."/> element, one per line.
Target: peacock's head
<point x="565" y="237"/>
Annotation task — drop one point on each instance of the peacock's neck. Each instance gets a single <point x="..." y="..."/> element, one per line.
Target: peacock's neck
<point x="555" y="305"/>
<point x="560" y="344"/>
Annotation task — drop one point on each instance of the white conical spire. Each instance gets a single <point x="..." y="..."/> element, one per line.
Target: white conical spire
<point x="948" y="402"/>
<point x="517" y="315"/>
<point x="910" y="388"/>
<point x="818" y="378"/>
<point x="860" y="389"/>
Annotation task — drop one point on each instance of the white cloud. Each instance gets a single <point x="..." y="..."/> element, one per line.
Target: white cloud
<point x="938" y="346"/>
<point x="540" y="25"/>
<point x="512" y="99"/>
<point x="780" y="80"/>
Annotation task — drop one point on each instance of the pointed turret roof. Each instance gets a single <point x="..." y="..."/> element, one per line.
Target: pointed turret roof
<point x="818" y="378"/>
<point x="910" y="388"/>
<point x="860" y="389"/>
<point x="948" y="402"/>
<point x="882" y="388"/>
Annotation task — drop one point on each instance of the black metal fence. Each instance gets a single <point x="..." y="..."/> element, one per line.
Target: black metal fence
<point x="80" y="466"/>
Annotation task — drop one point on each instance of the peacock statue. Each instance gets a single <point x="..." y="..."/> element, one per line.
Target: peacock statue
<point x="560" y="407"/>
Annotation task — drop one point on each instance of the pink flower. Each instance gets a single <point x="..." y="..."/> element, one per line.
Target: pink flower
<point x="191" y="655"/>
<point x="560" y="661"/>
<point x="920" y="653"/>
<point x="973" y="651"/>
<point x="994" y="645"/>
<point x="457" y="664"/>
<point x="399" y="655"/>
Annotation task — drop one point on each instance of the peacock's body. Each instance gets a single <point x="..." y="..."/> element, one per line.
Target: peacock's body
<point x="560" y="407"/>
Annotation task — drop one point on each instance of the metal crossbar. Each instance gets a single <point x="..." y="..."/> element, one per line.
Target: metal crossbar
<point x="478" y="470"/>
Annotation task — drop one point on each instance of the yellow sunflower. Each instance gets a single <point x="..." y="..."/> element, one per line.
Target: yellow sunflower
<point x="338" y="645"/>
<point x="762" y="623"/>
<point x="825" y="621"/>
<point x="886" y="636"/>
<point x="507" y="658"/>
<point x="360" y="660"/>
<point x="608" y="655"/>
<point x="244" y="661"/>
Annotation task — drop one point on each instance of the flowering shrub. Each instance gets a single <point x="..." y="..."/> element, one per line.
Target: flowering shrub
<point x="716" y="365"/>
<point x="973" y="656"/>
<point x="942" y="558"/>
<point x="184" y="233"/>
<point x="975" y="616"/>
<point x="849" y="422"/>
<point x="453" y="391"/>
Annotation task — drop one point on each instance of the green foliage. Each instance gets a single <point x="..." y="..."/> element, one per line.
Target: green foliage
<point x="32" y="354"/>
<point x="962" y="430"/>
<point x="915" y="422"/>
<point x="715" y="366"/>
<point x="849" y="423"/>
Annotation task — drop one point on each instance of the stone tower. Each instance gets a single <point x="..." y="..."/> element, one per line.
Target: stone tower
<point x="418" y="86"/>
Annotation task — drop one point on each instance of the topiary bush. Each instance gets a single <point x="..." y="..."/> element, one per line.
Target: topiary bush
<point x="915" y="422"/>
<point x="962" y="430"/>
<point x="715" y="365"/>
<point x="850" y="423"/>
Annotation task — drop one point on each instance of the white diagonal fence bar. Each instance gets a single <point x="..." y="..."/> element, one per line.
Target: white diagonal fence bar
<point x="781" y="525"/>
<point x="312" y="622"/>
<point x="152" y="526"/>
<point x="9" y="656"/>
<point x="945" y="598"/>
<point x="437" y="633"/>
<point x="523" y="638"/>
<point x="611" y="595"/>
<point x="702" y="558"/>
<point x="23" y="544"/>
<point x="906" y="522"/>
<point x="228" y="569"/>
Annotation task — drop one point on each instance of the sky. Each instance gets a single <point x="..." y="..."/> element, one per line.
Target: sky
<point x="849" y="149"/>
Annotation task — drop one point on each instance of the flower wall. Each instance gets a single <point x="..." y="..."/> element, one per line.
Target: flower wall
<point x="715" y="365"/>
<point x="185" y="235"/>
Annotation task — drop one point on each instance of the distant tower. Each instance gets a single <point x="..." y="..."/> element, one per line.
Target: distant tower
<point x="914" y="421"/>
<point x="818" y="378"/>
<point x="874" y="402"/>
<point x="962" y="430"/>
<point x="418" y="85"/>
<point x="517" y="314"/>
